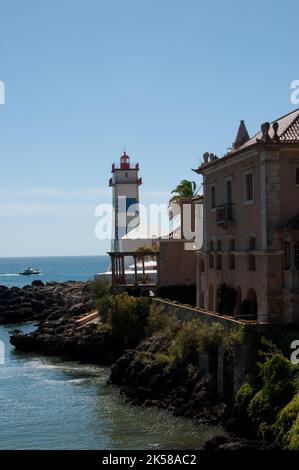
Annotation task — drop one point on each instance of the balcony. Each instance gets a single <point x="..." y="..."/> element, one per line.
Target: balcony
<point x="225" y="215"/>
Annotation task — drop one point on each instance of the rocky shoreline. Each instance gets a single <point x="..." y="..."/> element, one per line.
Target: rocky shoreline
<point x="39" y="301"/>
<point x="56" y="307"/>
<point x="142" y="379"/>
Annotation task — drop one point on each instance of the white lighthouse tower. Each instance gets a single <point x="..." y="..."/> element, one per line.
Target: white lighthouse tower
<point x="125" y="183"/>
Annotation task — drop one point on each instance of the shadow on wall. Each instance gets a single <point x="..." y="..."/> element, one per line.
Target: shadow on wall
<point x="183" y="293"/>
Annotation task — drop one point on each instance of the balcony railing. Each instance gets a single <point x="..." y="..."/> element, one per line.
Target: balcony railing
<point x="225" y="214"/>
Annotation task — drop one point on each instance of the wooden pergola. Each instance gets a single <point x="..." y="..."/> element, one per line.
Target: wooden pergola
<point x="136" y="278"/>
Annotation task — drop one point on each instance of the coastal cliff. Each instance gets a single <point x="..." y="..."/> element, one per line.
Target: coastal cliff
<point x="159" y="361"/>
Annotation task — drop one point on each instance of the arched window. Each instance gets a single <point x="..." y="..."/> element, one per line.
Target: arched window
<point x="249" y="305"/>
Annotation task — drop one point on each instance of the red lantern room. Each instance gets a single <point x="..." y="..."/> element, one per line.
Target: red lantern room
<point x="124" y="162"/>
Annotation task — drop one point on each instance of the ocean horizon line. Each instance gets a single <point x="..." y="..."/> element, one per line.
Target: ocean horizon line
<point x="53" y="256"/>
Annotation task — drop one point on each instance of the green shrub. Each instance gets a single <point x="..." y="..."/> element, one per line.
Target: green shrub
<point x="287" y="424"/>
<point x="162" y="359"/>
<point x="271" y="399"/>
<point x="159" y="321"/>
<point x="292" y="437"/>
<point x="187" y="343"/>
<point x="244" y="395"/>
<point x="143" y="308"/>
<point x="99" y="288"/>
<point x="144" y="357"/>
<point x="127" y="317"/>
<point x="260" y="409"/>
<point x="103" y="305"/>
<point x="278" y="375"/>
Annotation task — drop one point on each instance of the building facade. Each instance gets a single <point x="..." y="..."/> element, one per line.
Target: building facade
<point x="248" y="266"/>
<point x="178" y="248"/>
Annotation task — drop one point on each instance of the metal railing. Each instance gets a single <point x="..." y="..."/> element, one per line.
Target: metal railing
<point x="225" y="214"/>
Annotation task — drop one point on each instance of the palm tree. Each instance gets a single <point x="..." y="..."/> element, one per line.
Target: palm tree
<point x="185" y="190"/>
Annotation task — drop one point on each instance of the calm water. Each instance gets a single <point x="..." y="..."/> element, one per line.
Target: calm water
<point x="48" y="403"/>
<point x="62" y="268"/>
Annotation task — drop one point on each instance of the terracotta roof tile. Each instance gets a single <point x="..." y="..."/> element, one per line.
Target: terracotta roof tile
<point x="288" y="130"/>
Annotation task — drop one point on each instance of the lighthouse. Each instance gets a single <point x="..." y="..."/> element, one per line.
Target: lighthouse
<point x="125" y="184"/>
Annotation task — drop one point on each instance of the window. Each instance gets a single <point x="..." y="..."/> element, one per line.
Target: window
<point x="251" y="263"/>
<point x="211" y="245"/>
<point x="231" y="261"/>
<point x="202" y="266"/>
<point x="211" y="261"/>
<point x="297" y="176"/>
<point x="287" y="256"/>
<point x="232" y="245"/>
<point x="251" y="244"/>
<point x="229" y="191"/>
<point x="218" y="262"/>
<point x="249" y="187"/>
<point x="219" y="245"/>
<point x="213" y="197"/>
<point x="297" y="256"/>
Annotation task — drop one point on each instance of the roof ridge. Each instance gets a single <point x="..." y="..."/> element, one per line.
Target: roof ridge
<point x="279" y="119"/>
<point x="285" y="115"/>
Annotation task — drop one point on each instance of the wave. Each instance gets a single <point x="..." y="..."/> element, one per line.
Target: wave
<point x="9" y="275"/>
<point x="62" y="381"/>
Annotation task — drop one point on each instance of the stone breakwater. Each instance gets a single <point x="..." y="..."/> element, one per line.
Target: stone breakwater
<point x="40" y="301"/>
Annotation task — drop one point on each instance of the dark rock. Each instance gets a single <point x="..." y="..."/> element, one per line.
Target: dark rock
<point x="233" y="443"/>
<point x="37" y="306"/>
<point x="214" y="442"/>
<point x="37" y="283"/>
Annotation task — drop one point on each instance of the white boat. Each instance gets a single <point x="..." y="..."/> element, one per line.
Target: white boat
<point x="29" y="272"/>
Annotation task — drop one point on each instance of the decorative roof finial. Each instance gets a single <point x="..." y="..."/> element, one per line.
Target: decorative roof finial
<point x="206" y="157"/>
<point x="265" y="131"/>
<point x="275" y="130"/>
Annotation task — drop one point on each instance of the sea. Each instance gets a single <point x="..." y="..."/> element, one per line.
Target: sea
<point x="50" y="403"/>
<point x="56" y="268"/>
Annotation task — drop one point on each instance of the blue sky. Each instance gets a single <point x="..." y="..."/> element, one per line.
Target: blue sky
<point x="169" y="79"/>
